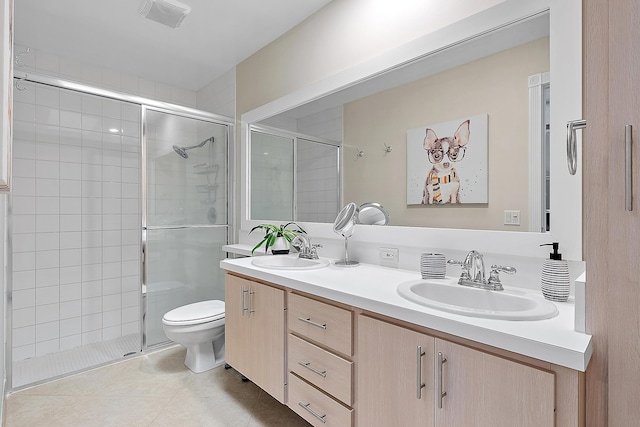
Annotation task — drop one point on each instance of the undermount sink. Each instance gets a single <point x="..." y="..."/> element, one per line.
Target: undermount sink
<point x="288" y="262"/>
<point x="447" y="295"/>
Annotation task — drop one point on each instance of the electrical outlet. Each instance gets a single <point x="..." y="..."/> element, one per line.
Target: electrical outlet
<point x="511" y="217"/>
<point x="389" y="257"/>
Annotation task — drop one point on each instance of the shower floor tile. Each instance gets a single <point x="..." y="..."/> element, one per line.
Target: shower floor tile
<point x="53" y="365"/>
<point x="154" y="389"/>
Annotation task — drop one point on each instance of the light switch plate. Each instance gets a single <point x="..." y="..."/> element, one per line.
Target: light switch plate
<point x="511" y="217"/>
<point x="389" y="257"/>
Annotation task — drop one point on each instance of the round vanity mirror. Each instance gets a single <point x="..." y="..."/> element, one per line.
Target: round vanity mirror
<point x="373" y="214"/>
<point x="344" y="225"/>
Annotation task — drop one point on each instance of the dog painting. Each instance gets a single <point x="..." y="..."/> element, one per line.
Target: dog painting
<point x="446" y="163"/>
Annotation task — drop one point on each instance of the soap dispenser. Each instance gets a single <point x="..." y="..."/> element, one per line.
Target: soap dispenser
<point x="555" y="276"/>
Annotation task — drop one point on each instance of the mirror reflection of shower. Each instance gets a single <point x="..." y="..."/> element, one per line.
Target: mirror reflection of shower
<point x="182" y="151"/>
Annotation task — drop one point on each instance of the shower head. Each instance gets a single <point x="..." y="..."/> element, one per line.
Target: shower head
<point x="182" y="151"/>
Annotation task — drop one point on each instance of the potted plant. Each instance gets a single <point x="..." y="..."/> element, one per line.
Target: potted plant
<point x="277" y="237"/>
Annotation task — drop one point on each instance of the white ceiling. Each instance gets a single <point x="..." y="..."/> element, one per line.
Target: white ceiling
<point x="213" y="38"/>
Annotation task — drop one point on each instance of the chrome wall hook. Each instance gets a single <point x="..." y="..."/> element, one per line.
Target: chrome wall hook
<point x="387" y="148"/>
<point x="359" y="152"/>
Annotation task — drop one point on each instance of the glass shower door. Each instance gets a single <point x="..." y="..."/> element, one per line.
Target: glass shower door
<point x="186" y="214"/>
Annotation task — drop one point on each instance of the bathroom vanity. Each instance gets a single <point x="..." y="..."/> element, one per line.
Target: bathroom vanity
<point x="340" y="347"/>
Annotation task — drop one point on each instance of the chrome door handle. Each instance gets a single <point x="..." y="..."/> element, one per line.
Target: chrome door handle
<point x="312" y="412"/>
<point x="572" y="149"/>
<point x="307" y="365"/>
<point x="441" y="394"/>
<point x="627" y="168"/>
<point x="251" y="294"/>
<point x="309" y="321"/>
<point x="419" y="384"/>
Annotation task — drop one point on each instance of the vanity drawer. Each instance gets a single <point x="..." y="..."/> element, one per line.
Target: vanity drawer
<point x="323" y="369"/>
<point x="315" y="406"/>
<point x="320" y="322"/>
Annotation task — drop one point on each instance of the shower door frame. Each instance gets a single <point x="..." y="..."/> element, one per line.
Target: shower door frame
<point x="196" y="115"/>
<point x="145" y="104"/>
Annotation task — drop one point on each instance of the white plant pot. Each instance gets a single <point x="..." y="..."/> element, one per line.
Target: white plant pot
<point x="280" y="246"/>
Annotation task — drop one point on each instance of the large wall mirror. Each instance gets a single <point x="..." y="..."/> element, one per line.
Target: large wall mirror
<point x="492" y="72"/>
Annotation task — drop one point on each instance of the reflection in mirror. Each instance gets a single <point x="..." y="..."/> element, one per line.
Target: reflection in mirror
<point x="488" y="74"/>
<point x="344" y="225"/>
<point x="294" y="177"/>
<point x="372" y="213"/>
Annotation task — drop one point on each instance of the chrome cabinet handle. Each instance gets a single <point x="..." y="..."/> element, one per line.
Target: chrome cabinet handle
<point x="314" y="413"/>
<point x="309" y="321"/>
<point x="441" y="361"/>
<point x="572" y="149"/>
<point x="243" y="290"/>
<point x="419" y="384"/>
<point x="307" y="365"/>
<point x="627" y="168"/>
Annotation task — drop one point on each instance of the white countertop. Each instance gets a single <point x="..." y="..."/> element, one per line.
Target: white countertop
<point x="373" y="288"/>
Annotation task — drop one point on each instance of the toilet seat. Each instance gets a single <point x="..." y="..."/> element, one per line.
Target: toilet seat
<point x="196" y="313"/>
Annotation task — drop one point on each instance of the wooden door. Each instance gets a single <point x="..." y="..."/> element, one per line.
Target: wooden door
<point x="267" y="348"/>
<point x="611" y="237"/>
<point x="387" y="375"/>
<point x="237" y="326"/>
<point x="486" y="390"/>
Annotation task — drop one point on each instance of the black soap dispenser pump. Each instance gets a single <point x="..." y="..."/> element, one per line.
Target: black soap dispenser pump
<point x="555" y="276"/>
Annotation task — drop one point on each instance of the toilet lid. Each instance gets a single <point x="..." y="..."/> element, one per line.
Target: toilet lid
<point x="199" y="312"/>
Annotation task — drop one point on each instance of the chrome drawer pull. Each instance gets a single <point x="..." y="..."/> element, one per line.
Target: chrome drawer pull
<point x="312" y="412"/>
<point x="309" y="321"/>
<point x="307" y="365"/>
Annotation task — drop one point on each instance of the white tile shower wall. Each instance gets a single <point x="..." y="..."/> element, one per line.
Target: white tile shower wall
<point x="75" y="219"/>
<point x="317" y="172"/>
<point x="219" y="96"/>
<point x="57" y="66"/>
<point x="317" y="178"/>
<point x="324" y="124"/>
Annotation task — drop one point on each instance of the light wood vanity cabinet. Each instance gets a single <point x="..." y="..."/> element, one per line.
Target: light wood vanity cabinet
<point x="319" y="362"/>
<point x="389" y="388"/>
<point x="341" y="366"/>
<point x="255" y="333"/>
<point x="481" y="389"/>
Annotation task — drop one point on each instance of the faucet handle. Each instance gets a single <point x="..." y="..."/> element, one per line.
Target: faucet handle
<point x="313" y="252"/>
<point x="494" y="276"/>
<point x="505" y="269"/>
<point x="466" y="268"/>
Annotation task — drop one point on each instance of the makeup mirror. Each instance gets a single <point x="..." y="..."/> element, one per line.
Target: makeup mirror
<point x="372" y="213"/>
<point x="344" y="225"/>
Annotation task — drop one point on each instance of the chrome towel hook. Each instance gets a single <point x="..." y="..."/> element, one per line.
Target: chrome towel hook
<point x="572" y="150"/>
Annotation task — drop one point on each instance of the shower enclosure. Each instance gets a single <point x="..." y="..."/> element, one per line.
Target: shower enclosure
<point x="109" y="225"/>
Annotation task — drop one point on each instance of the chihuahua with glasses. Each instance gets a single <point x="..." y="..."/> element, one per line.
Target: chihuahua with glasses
<point x="443" y="183"/>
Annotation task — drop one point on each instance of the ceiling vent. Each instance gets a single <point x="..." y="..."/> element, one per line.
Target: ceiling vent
<point x="167" y="12"/>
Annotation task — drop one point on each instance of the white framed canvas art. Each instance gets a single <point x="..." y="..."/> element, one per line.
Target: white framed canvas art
<point x="447" y="162"/>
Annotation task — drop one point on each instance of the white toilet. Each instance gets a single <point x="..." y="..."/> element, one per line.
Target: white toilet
<point x="200" y="328"/>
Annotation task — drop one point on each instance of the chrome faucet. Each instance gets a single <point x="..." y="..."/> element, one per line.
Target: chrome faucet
<point x="303" y="245"/>
<point x="473" y="272"/>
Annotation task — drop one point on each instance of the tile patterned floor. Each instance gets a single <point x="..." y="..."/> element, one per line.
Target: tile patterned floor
<point x="152" y="390"/>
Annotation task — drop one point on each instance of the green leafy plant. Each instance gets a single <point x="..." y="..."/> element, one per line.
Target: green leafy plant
<point x="272" y="232"/>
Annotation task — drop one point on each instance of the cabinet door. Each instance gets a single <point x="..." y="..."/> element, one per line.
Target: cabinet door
<point x="237" y="327"/>
<point x="486" y="390"/>
<point x="388" y="375"/>
<point x="266" y="308"/>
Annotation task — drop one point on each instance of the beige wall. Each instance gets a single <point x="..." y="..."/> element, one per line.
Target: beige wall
<point x="496" y="85"/>
<point x="342" y="34"/>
